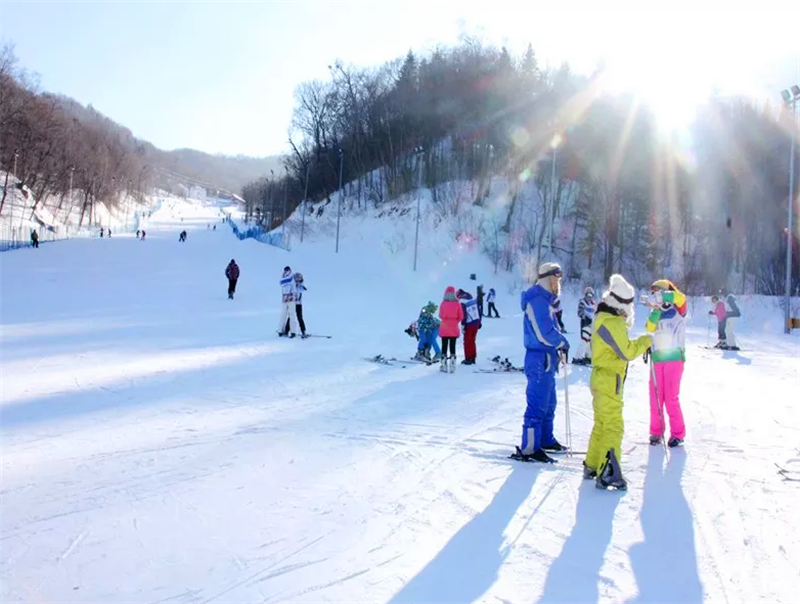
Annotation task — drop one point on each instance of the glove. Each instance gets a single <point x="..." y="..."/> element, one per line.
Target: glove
<point x="654" y="299"/>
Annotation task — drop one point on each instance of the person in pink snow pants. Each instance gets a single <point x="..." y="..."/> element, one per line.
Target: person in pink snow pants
<point x="667" y="323"/>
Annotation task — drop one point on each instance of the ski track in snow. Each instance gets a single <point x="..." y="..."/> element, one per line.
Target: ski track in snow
<point x="159" y="443"/>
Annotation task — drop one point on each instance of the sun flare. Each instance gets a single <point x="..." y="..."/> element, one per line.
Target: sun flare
<point x="673" y="95"/>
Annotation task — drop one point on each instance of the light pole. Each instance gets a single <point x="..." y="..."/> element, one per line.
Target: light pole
<point x="285" y="199"/>
<point x="790" y="97"/>
<point x="420" y="156"/>
<point x="339" y="211"/>
<point x="554" y="144"/>
<point x="305" y="205"/>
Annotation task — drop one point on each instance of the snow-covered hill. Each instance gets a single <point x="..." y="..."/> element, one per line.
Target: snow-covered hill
<point x="161" y="443"/>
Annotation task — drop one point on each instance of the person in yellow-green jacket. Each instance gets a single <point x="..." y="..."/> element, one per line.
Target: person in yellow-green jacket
<point x="612" y="350"/>
<point x="667" y="323"/>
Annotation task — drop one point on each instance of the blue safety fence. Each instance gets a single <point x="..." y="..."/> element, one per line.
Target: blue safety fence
<point x="13" y="238"/>
<point x="259" y="234"/>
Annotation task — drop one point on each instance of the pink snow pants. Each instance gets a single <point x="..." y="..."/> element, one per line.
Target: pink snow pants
<point x="668" y="378"/>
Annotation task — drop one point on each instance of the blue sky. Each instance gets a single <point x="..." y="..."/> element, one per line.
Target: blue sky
<point x="220" y="77"/>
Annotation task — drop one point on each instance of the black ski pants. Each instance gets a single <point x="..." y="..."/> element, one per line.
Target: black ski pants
<point x="232" y="286"/>
<point x="492" y="307"/>
<point x="452" y="343"/>
<point x="299" y="309"/>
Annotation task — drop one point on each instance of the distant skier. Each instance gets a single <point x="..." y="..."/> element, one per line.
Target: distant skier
<point x="559" y="312"/>
<point x="732" y="316"/>
<point x="722" y="316"/>
<point x="490" y="299"/>
<point x="451" y="313"/>
<point x="102" y="232"/>
<point x="138" y="232"/>
<point x="480" y="297"/>
<point x="109" y="232"/>
<point x="215" y="228"/>
<point x="428" y="329"/>
<point x="586" y="308"/>
<point x="298" y="306"/>
<point x="667" y="323"/>
<point x="34" y="238"/>
<point x="289" y="315"/>
<point x="544" y="344"/>
<point x="612" y="350"/>
<point x="232" y="273"/>
<point x="471" y="323"/>
<point x="143" y="234"/>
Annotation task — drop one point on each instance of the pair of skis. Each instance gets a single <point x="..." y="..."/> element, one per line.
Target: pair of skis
<point x="501" y="366"/>
<point x="305" y="336"/>
<point x="395" y="362"/>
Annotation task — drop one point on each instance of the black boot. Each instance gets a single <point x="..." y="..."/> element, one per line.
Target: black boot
<point x="537" y="456"/>
<point x="674" y="442"/>
<point x="611" y="475"/>
<point x="655" y="440"/>
<point x="556" y="446"/>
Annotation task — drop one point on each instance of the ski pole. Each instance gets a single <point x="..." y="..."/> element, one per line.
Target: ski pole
<point x="658" y="405"/>
<point x="708" y="332"/>
<point x="566" y="409"/>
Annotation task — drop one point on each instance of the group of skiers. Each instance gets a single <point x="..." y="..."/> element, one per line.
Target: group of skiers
<point x="292" y="288"/>
<point x="726" y="312"/>
<point x="140" y="234"/>
<point x="459" y="309"/>
<point x="606" y="344"/>
<point x="103" y="230"/>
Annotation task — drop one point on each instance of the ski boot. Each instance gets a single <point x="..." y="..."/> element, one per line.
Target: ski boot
<point x="304" y="335"/>
<point x="674" y="442"/>
<point x="443" y="365"/>
<point x="556" y="446"/>
<point x="538" y="456"/>
<point x="292" y="335"/>
<point x="610" y="477"/>
<point x="420" y="356"/>
<point x="655" y="439"/>
<point x="452" y="364"/>
<point x="589" y="473"/>
<point x="436" y="358"/>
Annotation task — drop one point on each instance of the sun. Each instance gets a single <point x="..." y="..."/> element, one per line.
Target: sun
<point x="673" y="95"/>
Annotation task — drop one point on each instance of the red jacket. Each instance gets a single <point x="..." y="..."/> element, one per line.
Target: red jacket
<point x="451" y="314"/>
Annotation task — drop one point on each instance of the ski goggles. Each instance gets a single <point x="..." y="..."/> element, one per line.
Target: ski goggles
<point x="553" y="272"/>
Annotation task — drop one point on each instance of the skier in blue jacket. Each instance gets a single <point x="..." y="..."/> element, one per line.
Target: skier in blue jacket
<point x="543" y="343"/>
<point x="428" y="329"/>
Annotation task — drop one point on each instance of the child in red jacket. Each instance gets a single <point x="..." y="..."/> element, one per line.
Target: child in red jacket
<point x="722" y="317"/>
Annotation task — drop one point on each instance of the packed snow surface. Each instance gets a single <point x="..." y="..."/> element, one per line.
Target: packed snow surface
<point x="160" y="443"/>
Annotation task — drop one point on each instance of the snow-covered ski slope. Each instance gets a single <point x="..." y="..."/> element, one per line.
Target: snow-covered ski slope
<point x="161" y="444"/>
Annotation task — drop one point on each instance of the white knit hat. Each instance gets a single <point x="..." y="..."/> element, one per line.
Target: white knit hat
<point x="620" y="295"/>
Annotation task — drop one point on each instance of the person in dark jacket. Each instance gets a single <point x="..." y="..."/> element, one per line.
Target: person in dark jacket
<point x="480" y="299"/>
<point x="232" y="273"/>
<point x="34" y="238"/>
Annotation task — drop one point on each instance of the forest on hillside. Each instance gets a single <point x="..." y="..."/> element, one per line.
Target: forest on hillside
<point x="71" y="155"/>
<point x="706" y="205"/>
